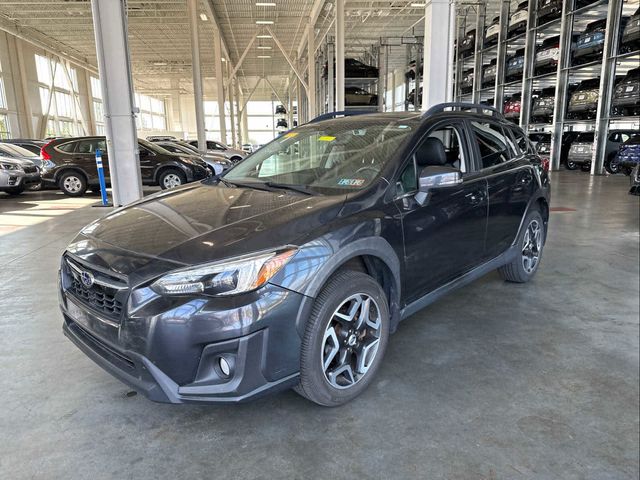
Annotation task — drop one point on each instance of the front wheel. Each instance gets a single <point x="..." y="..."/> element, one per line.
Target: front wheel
<point x="530" y="244"/>
<point x="612" y="166"/>
<point x="15" y="190"/>
<point x="345" y="339"/>
<point x="172" y="178"/>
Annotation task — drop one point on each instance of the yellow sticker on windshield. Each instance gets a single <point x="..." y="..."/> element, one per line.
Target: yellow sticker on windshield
<point x="291" y="135"/>
<point x="326" y="138"/>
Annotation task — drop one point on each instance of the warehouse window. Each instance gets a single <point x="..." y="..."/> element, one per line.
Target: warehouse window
<point x="58" y="103"/>
<point x="212" y="121"/>
<point x="152" y="112"/>
<point x="96" y="104"/>
<point x="4" y="119"/>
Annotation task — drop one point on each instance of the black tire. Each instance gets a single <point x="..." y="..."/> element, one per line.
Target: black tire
<point x="36" y="187"/>
<point x="516" y="271"/>
<point x="314" y="378"/>
<point x="611" y="166"/>
<point x="72" y="183"/>
<point x="15" y="190"/>
<point x="571" y="165"/>
<point x="171" y="178"/>
<point x="626" y="171"/>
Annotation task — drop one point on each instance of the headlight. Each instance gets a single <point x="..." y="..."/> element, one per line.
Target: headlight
<point x="10" y="166"/>
<point x="231" y="277"/>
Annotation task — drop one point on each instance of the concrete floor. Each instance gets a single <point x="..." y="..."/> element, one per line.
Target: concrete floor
<point x="497" y="381"/>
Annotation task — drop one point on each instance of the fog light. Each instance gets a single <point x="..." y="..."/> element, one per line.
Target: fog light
<point x="224" y="366"/>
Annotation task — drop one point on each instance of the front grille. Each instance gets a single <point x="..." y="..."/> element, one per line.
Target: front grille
<point x="105" y="293"/>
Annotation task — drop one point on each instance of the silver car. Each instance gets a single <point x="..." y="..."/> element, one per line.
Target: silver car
<point x="17" y="175"/>
<point x="222" y="149"/>
<point x="217" y="163"/>
<point x="17" y="152"/>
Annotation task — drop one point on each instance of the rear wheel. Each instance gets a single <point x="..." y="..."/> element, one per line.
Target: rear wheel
<point x="73" y="184"/>
<point x="530" y="244"/>
<point x="345" y="339"/>
<point x="612" y="166"/>
<point x="171" y="178"/>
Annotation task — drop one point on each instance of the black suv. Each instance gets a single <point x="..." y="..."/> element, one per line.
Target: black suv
<point x="317" y="246"/>
<point x="72" y="165"/>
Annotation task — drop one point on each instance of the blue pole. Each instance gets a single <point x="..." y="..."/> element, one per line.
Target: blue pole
<point x="103" y="185"/>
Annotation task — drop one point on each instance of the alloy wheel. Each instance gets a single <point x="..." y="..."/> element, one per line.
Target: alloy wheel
<point x="351" y="340"/>
<point x="72" y="184"/>
<point x="531" y="247"/>
<point x="171" y="180"/>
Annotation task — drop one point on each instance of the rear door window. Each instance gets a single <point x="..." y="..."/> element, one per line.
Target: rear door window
<point x="492" y="143"/>
<point x="68" y="147"/>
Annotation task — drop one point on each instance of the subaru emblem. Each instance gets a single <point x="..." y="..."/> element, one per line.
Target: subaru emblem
<point x="87" y="279"/>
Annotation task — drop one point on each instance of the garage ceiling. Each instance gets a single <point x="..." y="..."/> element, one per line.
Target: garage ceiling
<point x="159" y="34"/>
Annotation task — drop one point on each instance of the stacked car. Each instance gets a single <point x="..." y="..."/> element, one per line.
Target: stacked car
<point x="626" y="96"/>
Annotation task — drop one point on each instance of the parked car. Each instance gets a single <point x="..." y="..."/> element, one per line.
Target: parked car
<point x="16" y="152"/>
<point x="222" y="149"/>
<point x="492" y="33"/>
<point x="581" y="151"/>
<point x="542" y="143"/>
<point x="308" y="259"/>
<point x="512" y="107"/>
<point x="628" y="155"/>
<point x="549" y="10"/>
<point x="280" y="110"/>
<point x="354" y="69"/>
<point x="583" y="102"/>
<point x="411" y="96"/>
<point x="282" y="123"/>
<point x="74" y="165"/>
<point x="518" y="20"/>
<point x="630" y="40"/>
<point x="468" y="44"/>
<point x="590" y="43"/>
<point x="489" y="73"/>
<point x="217" y="163"/>
<point x="247" y="147"/>
<point x="162" y="138"/>
<point x="33" y="146"/>
<point x="546" y="59"/>
<point x="626" y="96"/>
<point x="515" y="65"/>
<point x="543" y="105"/>
<point x="356" y="96"/>
<point x="16" y="175"/>
<point x="466" y="81"/>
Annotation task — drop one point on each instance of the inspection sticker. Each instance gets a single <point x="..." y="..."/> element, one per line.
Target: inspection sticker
<point x="351" y="182"/>
<point x="326" y="138"/>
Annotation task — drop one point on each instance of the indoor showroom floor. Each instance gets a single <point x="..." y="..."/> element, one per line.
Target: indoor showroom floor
<point x="496" y="381"/>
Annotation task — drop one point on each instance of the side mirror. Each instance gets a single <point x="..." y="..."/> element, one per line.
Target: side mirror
<point x="432" y="178"/>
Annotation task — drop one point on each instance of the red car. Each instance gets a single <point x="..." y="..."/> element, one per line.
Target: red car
<point x="512" y="107"/>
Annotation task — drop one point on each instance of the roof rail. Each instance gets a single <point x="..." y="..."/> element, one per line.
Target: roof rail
<point x="346" y="113"/>
<point x="480" y="108"/>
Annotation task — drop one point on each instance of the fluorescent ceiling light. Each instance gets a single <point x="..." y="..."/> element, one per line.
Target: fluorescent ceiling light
<point x="264" y="22"/>
<point x="203" y="17"/>
<point x="264" y="56"/>
<point x="265" y="4"/>
<point x="264" y="47"/>
<point x="417" y="5"/>
<point x="263" y="36"/>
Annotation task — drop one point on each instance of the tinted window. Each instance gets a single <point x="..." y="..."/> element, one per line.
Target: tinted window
<point x="492" y="143"/>
<point x="67" y="147"/>
<point x="32" y="148"/>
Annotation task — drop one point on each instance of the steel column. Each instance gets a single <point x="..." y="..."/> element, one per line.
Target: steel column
<point x="311" y="70"/>
<point x="114" y="66"/>
<point x="196" y="73"/>
<point x="435" y="53"/>
<point x="477" y="66"/>
<point x="339" y="55"/>
<point x="331" y="84"/>
<point x="529" y="61"/>
<point x="562" y="81"/>
<point x="607" y="80"/>
<point x="217" y="51"/>
<point x="498" y="96"/>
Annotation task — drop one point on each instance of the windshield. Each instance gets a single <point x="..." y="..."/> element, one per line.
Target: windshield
<point x="16" y="151"/>
<point x="329" y="157"/>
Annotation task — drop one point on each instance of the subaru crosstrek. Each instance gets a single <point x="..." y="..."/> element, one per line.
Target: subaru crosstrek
<point x="295" y="266"/>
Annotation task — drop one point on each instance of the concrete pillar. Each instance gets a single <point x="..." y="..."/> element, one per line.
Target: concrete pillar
<point x="192" y="8"/>
<point x="436" y="52"/>
<point x="217" y="47"/>
<point x="312" y="94"/>
<point x="339" y="55"/>
<point x="232" y="119"/>
<point x="114" y="66"/>
<point x="331" y="81"/>
<point x="25" y="114"/>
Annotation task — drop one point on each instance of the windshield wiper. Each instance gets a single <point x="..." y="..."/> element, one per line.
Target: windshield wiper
<point x="257" y="185"/>
<point x="294" y="188"/>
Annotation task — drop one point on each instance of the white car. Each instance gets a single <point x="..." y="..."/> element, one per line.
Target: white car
<point x="518" y="21"/>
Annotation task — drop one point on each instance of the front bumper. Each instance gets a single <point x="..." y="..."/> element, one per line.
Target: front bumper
<point x="16" y="178"/>
<point x="169" y="349"/>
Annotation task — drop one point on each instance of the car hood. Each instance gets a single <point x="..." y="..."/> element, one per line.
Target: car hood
<point x="201" y="223"/>
<point x="19" y="161"/>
